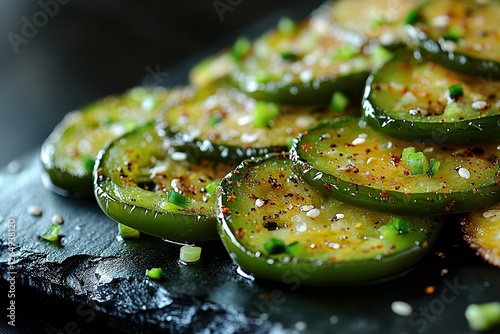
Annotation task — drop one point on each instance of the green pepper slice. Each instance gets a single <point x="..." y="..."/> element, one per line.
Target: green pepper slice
<point x="277" y="227"/>
<point x="355" y="163"/>
<point x="141" y="183"/>
<point x="421" y="100"/>
<point x="460" y="34"/>
<point x="223" y="123"/>
<point x="69" y="152"/>
<point x="304" y="65"/>
<point x="379" y="21"/>
<point x="481" y="230"/>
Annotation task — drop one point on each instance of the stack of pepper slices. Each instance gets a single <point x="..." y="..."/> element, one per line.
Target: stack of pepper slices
<point x="349" y="136"/>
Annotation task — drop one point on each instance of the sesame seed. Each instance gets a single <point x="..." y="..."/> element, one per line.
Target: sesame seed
<point x="179" y="156"/>
<point x="479" y="105"/>
<point x="306" y="208"/>
<point x="34" y="210"/>
<point x="314" y="213"/>
<point x="441" y="21"/>
<point x="464" y="172"/>
<point x="491" y="213"/>
<point x="259" y="203"/>
<point x="358" y="141"/>
<point x="57" y="219"/>
<point x="401" y="308"/>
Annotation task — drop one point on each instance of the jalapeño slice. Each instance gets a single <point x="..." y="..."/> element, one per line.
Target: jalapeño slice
<point x="142" y="184"/>
<point x="224" y="123"/>
<point x="482" y="231"/>
<point x="421" y="100"/>
<point x="460" y="34"/>
<point x="277" y="227"/>
<point x="379" y="21"/>
<point x="304" y="65"/>
<point x="353" y="162"/>
<point x="69" y="152"/>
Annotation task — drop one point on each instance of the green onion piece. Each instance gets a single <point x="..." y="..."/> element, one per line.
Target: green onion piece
<point x="177" y="199"/>
<point x="413" y="16"/>
<point x="155" y="273"/>
<point x="418" y="163"/>
<point x="189" y="254"/>
<point x="52" y="233"/>
<point x="288" y="55"/>
<point x="400" y="224"/>
<point x="241" y="48"/>
<point x="453" y="34"/>
<point x="456" y="90"/>
<point x="406" y="151"/>
<point x="289" y="142"/>
<point x="483" y="316"/>
<point x="88" y="162"/>
<point x="345" y="52"/>
<point x="339" y="102"/>
<point x="262" y="77"/>
<point x="380" y="55"/>
<point x="433" y="167"/>
<point x="128" y="232"/>
<point x="295" y="249"/>
<point x="212" y="187"/>
<point x="286" y="25"/>
<point x="274" y="246"/>
<point x="265" y="112"/>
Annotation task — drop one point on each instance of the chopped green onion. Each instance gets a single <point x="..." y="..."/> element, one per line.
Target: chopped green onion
<point x="52" y="232"/>
<point x="213" y="120"/>
<point x="413" y="16"/>
<point x="453" y="34"/>
<point x="400" y="224"/>
<point x="339" y="102"/>
<point x="380" y="55"/>
<point x="212" y="187"/>
<point x="155" y="273"/>
<point x="189" y="254"/>
<point x="289" y="142"/>
<point x="262" y="76"/>
<point x="178" y="199"/>
<point x="286" y="25"/>
<point x="406" y="151"/>
<point x="241" y="48"/>
<point x="88" y="162"/>
<point x="265" y="112"/>
<point x="345" y="52"/>
<point x="288" y="55"/>
<point x="295" y="249"/>
<point x="483" y="316"/>
<point x="128" y="232"/>
<point x="274" y="246"/>
<point x="433" y="167"/>
<point x="456" y="90"/>
<point x="418" y="163"/>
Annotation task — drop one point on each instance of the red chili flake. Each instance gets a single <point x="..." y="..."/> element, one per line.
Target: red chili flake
<point x="430" y="289"/>
<point x="449" y="207"/>
<point x="327" y="186"/>
<point x="226" y="210"/>
<point x="240" y="233"/>
<point x="231" y="197"/>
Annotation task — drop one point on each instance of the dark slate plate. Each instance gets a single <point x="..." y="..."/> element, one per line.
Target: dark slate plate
<point x="92" y="281"/>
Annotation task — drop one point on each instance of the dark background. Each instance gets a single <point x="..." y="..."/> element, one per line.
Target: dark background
<point x="84" y="50"/>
